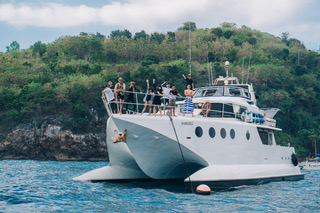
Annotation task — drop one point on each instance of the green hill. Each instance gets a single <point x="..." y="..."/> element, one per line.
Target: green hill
<point x="65" y="77"/>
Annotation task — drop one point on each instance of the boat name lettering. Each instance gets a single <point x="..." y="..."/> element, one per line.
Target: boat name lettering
<point x="186" y="123"/>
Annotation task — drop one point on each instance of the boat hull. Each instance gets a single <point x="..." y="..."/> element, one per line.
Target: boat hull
<point x="227" y="184"/>
<point x="227" y="158"/>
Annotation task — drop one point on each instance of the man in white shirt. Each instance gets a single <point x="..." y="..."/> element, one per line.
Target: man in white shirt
<point x="108" y="93"/>
<point x="166" y="91"/>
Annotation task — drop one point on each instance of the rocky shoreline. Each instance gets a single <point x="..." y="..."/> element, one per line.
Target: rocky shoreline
<point x="44" y="139"/>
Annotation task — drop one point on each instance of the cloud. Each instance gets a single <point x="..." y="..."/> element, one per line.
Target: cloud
<point x="151" y="15"/>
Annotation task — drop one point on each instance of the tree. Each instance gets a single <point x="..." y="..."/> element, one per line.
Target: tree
<point x="13" y="46"/>
<point x="228" y="25"/>
<point x="140" y="35"/>
<point x="217" y="31"/>
<point x="120" y="33"/>
<point x="84" y="34"/>
<point x="171" y="36"/>
<point x="100" y="36"/>
<point x="188" y="25"/>
<point x="228" y="33"/>
<point x="158" y="37"/>
<point x="39" y="48"/>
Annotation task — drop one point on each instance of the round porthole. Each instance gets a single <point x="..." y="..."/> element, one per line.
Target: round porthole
<point x="248" y="135"/>
<point x="223" y="133"/>
<point x="232" y="133"/>
<point x="199" y="131"/>
<point x="212" y="132"/>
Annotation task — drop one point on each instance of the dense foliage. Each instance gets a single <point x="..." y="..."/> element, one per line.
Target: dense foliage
<point x="66" y="77"/>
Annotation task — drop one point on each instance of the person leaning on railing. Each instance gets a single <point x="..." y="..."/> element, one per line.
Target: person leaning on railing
<point x="113" y="105"/>
<point x="148" y="99"/>
<point x="172" y="100"/>
<point x="108" y="95"/>
<point x="130" y="97"/>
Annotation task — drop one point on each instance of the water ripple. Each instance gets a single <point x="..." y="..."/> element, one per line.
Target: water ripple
<point x="46" y="186"/>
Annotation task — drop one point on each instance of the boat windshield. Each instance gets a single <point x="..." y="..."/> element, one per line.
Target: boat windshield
<point x="216" y="91"/>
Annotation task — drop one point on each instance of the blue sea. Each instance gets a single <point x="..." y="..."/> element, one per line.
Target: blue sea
<point x="47" y="186"/>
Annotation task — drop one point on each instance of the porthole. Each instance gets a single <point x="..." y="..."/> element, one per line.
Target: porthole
<point x="248" y="135"/>
<point x="223" y="133"/>
<point x="212" y="132"/>
<point x="232" y="133"/>
<point x="199" y="131"/>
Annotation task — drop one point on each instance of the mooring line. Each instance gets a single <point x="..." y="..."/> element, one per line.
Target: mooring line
<point x="185" y="165"/>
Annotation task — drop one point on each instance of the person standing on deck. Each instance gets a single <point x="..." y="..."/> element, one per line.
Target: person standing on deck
<point x="188" y="104"/>
<point x="130" y="97"/>
<point x="107" y="94"/>
<point x="112" y="104"/>
<point x="119" y="92"/>
<point x="166" y="91"/>
<point x="172" y="100"/>
<point x="148" y="99"/>
<point x="189" y="81"/>
<point x="157" y="98"/>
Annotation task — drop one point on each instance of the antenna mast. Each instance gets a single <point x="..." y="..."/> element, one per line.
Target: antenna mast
<point x="189" y="48"/>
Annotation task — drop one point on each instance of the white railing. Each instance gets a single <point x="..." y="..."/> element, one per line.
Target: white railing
<point x="137" y="102"/>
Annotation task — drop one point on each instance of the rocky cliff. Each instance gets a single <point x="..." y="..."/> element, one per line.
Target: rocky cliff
<point x="44" y="139"/>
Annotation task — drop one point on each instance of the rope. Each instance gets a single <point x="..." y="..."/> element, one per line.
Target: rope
<point x="185" y="165"/>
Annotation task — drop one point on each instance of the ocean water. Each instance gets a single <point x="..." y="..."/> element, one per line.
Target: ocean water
<point x="47" y="186"/>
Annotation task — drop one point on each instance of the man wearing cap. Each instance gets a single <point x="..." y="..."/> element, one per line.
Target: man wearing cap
<point x="189" y="81"/>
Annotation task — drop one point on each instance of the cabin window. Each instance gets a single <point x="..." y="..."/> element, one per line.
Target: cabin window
<point x="216" y="110"/>
<point x="212" y="132"/>
<point x="199" y="93"/>
<point x="234" y="92"/>
<point x="266" y="136"/>
<point x="248" y="135"/>
<point x="210" y="92"/>
<point x="223" y="133"/>
<point x="232" y="133"/>
<point x="199" y="131"/>
<point x="228" y="111"/>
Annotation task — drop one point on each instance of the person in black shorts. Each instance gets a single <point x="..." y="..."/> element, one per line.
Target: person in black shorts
<point x="172" y="100"/>
<point x="130" y="97"/>
<point x="157" y="98"/>
<point x="148" y="99"/>
<point x="119" y="92"/>
<point x="189" y="81"/>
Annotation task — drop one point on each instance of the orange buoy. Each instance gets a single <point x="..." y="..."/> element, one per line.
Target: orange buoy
<point x="203" y="190"/>
<point x="209" y="107"/>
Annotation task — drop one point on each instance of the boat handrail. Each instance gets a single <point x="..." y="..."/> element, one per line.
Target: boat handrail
<point x="113" y="106"/>
<point x="138" y="100"/>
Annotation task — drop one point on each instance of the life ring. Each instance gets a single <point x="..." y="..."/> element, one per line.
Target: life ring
<point x="209" y="107"/>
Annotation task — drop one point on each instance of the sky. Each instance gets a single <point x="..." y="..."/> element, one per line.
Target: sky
<point x="42" y="20"/>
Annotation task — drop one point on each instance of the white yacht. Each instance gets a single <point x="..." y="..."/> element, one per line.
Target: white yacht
<point x="229" y="142"/>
